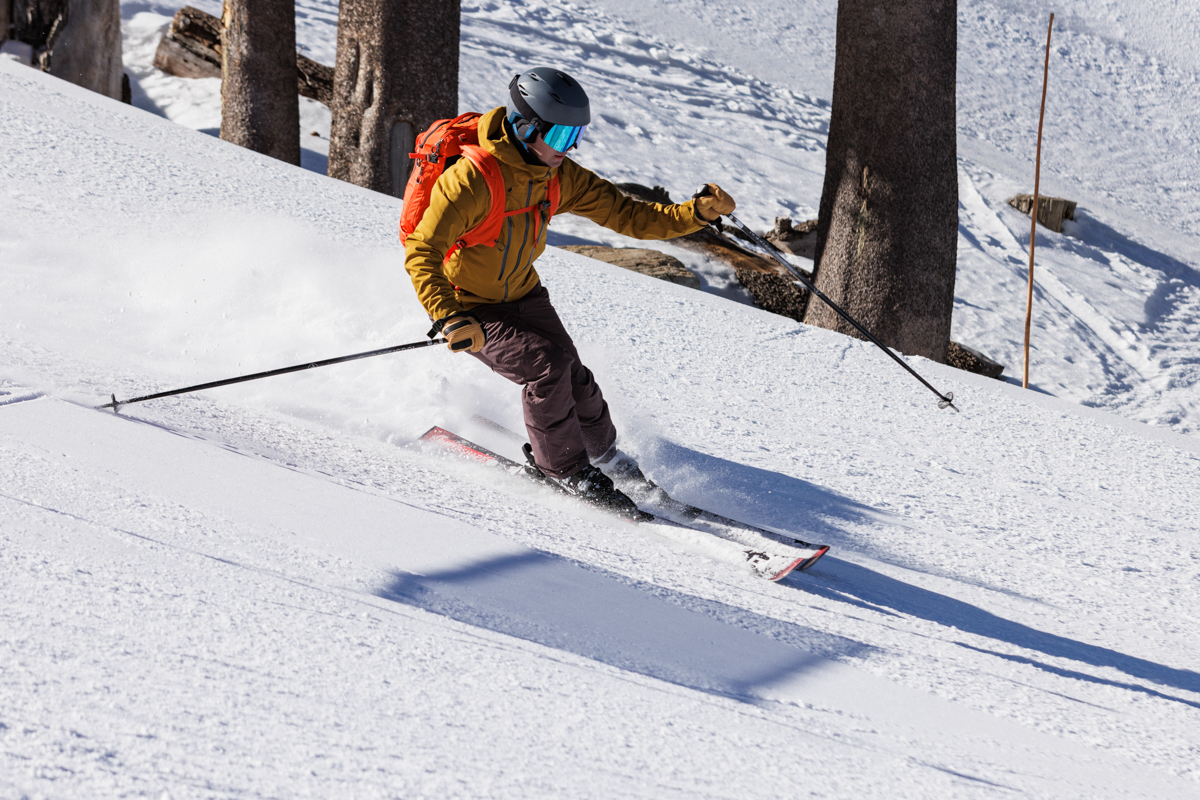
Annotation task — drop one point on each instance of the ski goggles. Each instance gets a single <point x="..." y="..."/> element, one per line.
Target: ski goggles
<point x="563" y="137"/>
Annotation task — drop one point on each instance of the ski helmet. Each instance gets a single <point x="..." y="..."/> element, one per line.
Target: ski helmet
<point x="549" y="102"/>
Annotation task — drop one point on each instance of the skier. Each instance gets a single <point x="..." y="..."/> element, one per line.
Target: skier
<point x="488" y="300"/>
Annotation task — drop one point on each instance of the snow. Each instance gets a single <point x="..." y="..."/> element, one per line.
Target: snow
<point x="270" y="590"/>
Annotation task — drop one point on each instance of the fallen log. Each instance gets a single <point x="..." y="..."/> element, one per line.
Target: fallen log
<point x="799" y="241"/>
<point x="772" y="287"/>
<point x="963" y="357"/>
<point x="1051" y="210"/>
<point x="191" y="48"/>
<point x="316" y="80"/>
<point x="639" y="259"/>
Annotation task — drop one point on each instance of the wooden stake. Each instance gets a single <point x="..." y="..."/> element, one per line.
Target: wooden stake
<point x="1037" y="177"/>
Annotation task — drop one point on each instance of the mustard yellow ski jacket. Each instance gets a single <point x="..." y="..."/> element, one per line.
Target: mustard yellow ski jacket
<point x="504" y="272"/>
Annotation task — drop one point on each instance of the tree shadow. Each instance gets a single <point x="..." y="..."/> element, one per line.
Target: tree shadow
<point x="139" y="98"/>
<point x="862" y="587"/>
<point x="313" y="161"/>
<point x="644" y="629"/>
<point x="1092" y="239"/>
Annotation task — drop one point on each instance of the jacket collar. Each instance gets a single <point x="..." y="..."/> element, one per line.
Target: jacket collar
<point x="497" y="138"/>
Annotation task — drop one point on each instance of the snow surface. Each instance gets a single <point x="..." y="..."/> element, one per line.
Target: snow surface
<point x="269" y="590"/>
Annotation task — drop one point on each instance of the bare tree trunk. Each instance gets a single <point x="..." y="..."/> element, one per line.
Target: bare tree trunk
<point x="260" y="109"/>
<point x="5" y="19"/>
<point x="888" y="230"/>
<point x="191" y="48"/>
<point x="38" y="23"/>
<point x="76" y="40"/>
<point x="396" y="74"/>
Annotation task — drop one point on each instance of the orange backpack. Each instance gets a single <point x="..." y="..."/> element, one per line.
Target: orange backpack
<point x="449" y="139"/>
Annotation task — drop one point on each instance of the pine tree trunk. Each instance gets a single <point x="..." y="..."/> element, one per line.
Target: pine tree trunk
<point x="76" y="40"/>
<point x="888" y="230"/>
<point x="260" y="109"/>
<point x="396" y="74"/>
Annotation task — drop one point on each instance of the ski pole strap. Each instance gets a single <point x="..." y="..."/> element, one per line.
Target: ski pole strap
<point x="116" y="404"/>
<point x="944" y="400"/>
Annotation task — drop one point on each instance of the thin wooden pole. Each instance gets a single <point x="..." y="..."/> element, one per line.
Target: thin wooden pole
<point x="1037" y="177"/>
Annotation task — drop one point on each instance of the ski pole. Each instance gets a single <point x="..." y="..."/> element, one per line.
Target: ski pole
<point x="944" y="400"/>
<point x="116" y="404"/>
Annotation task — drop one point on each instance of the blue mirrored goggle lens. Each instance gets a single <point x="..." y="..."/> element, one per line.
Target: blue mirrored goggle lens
<point x="563" y="137"/>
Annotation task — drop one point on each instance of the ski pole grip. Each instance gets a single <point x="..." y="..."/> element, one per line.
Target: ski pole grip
<point x="716" y="225"/>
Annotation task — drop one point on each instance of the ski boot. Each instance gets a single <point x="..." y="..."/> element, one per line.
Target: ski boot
<point x="590" y="485"/>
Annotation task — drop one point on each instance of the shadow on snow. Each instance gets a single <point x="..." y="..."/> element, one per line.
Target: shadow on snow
<point x="757" y="496"/>
<point x="554" y="602"/>
<point x="865" y="588"/>
<point x="1092" y="239"/>
<point x="648" y="630"/>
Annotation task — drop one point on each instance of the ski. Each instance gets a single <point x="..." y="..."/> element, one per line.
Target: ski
<point x="764" y="558"/>
<point x="652" y="497"/>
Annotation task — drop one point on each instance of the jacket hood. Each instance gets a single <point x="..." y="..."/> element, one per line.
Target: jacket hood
<point x="494" y="137"/>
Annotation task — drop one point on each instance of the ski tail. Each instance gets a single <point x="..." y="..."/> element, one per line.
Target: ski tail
<point x="460" y="446"/>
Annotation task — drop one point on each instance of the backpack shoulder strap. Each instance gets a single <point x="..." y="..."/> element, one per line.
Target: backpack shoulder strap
<point x="487" y="230"/>
<point x="554" y="194"/>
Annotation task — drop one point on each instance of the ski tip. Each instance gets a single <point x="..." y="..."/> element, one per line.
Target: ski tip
<point x="773" y="567"/>
<point x="814" y="558"/>
<point x="797" y="564"/>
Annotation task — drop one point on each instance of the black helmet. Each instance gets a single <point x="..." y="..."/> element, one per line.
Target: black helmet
<point x="543" y="98"/>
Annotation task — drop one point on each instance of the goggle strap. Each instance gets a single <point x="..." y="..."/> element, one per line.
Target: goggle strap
<point x="523" y="107"/>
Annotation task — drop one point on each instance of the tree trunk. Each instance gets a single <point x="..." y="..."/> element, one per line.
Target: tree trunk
<point x="76" y="40"/>
<point x="396" y="74"/>
<point x="191" y="48"/>
<point x="5" y="19"/>
<point x="887" y="238"/>
<point x="260" y="109"/>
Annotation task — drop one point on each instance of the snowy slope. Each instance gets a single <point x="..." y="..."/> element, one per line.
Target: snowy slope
<point x="266" y="590"/>
<point x="688" y="92"/>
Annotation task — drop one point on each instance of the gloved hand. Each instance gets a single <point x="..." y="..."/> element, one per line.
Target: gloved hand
<point x="464" y="333"/>
<point x="712" y="201"/>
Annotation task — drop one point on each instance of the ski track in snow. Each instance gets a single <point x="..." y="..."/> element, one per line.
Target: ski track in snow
<point x="1131" y="312"/>
<point x="1010" y="604"/>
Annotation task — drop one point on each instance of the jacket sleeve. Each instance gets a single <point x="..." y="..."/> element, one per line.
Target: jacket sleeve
<point x="587" y="194"/>
<point x="460" y="200"/>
